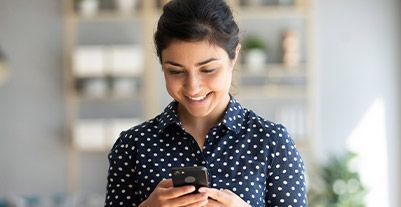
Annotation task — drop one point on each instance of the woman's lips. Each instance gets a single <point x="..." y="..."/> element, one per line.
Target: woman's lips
<point x="198" y="98"/>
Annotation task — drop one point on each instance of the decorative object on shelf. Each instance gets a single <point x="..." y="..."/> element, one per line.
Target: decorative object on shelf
<point x="95" y="87"/>
<point x="255" y="53"/>
<point x="103" y="69"/>
<point x="339" y="184"/>
<point x="4" y="70"/>
<point x="253" y="2"/>
<point x="89" y="61"/>
<point x="90" y="134"/>
<point x="126" y="6"/>
<point x="100" y="134"/>
<point x="290" y="48"/>
<point x="117" y="60"/>
<point x="285" y="2"/>
<point x="125" y="60"/>
<point x="124" y="87"/>
<point x="299" y="3"/>
<point x="88" y="7"/>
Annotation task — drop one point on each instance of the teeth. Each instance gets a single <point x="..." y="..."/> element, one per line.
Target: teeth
<point x="197" y="98"/>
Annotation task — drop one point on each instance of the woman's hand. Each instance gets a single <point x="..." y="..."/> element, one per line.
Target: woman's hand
<point x="223" y="198"/>
<point x="166" y="195"/>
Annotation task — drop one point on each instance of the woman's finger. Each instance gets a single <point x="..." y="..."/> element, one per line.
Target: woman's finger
<point x="168" y="191"/>
<point x="192" y="200"/>
<point x="223" y="198"/>
<point x="166" y="183"/>
<point x="171" y="193"/>
<point x="214" y="203"/>
<point x="218" y="195"/>
<point x="199" y="204"/>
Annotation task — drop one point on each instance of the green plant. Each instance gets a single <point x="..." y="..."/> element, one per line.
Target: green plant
<point x="78" y="1"/>
<point x="254" y="42"/>
<point x="339" y="184"/>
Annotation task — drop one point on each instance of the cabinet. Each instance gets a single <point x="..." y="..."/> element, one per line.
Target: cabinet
<point x="282" y="88"/>
<point x="112" y="74"/>
<point x="109" y="76"/>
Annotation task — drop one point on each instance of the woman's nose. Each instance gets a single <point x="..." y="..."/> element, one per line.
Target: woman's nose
<point x="193" y="83"/>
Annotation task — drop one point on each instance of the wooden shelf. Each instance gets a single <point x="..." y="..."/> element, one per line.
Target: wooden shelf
<point x="272" y="12"/>
<point x="110" y="97"/>
<point x="79" y="105"/>
<point x="272" y="92"/>
<point x="109" y="75"/>
<point x="274" y="71"/>
<point x="108" y="15"/>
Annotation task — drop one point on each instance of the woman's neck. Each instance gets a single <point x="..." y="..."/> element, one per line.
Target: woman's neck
<point x="198" y="127"/>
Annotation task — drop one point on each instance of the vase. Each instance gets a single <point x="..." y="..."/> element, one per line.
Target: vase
<point x="255" y="59"/>
<point x="126" y="6"/>
<point x="88" y="7"/>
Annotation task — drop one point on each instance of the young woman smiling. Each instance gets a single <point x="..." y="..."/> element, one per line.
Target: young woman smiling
<point x="251" y="161"/>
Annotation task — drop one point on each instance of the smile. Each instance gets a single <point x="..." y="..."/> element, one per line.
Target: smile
<point x="199" y="98"/>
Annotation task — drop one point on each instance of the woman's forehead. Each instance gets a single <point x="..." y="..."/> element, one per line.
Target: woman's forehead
<point x="179" y="49"/>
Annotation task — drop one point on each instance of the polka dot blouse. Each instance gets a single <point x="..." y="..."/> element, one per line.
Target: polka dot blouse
<point x="254" y="158"/>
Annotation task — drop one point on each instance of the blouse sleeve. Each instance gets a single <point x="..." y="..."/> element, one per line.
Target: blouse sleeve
<point x="120" y="182"/>
<point x="285" y="181"/>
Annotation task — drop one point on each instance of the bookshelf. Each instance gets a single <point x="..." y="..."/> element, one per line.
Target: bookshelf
<point x="104" y="97"/>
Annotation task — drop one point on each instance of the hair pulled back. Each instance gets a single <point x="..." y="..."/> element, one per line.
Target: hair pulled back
<point x="197" y="20"/>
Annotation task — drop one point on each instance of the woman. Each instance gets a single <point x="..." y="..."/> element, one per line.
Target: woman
<point x="251" y="161"/>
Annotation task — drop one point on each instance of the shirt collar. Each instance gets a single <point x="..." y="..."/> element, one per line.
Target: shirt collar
<point x="169" y="116"/>
<point x="232" y="120"/>
<point x="234" y="116"/>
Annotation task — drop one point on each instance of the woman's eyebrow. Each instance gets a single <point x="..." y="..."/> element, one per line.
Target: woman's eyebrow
<point x="206" y="61"/>
<point x="197" y="64"/>
<point x="172" y="63"/>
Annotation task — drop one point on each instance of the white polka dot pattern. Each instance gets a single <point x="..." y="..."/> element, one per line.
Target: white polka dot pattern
<point x="254" y="158"/>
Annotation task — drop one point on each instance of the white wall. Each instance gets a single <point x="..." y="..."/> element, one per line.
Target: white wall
<point x="33" y="155"/>
<point x="32" y="150"/>
<point x="358" y="47"/>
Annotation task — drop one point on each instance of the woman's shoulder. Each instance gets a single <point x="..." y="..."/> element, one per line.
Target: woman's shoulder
<point x="255" y="119"/>
<point x="263" y="125"/>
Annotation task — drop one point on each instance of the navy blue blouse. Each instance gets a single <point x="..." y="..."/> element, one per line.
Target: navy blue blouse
<point x="254" y="158"/>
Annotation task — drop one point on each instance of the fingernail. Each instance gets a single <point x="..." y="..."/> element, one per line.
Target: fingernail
<point x="202" y="190"/>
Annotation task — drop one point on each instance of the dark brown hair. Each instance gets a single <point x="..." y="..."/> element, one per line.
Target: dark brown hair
<point x="197" y="20"/>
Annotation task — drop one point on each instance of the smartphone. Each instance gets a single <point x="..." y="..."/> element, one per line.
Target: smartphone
<point x="196" y="176"/>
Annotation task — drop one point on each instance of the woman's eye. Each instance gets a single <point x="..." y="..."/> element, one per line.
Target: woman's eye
<point x="208" y="70"/>
<point x="175" y="72"/>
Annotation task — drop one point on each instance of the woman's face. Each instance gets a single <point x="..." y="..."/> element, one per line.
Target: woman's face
<point x="198" y="75"/>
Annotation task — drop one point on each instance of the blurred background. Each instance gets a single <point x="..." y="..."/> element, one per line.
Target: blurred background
<point x="74" y="73"/>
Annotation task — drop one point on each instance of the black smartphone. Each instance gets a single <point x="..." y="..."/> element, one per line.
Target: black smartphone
<point x="196" y="176"/>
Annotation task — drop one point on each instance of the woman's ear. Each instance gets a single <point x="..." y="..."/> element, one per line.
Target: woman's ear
<point x="237" y="50"/>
